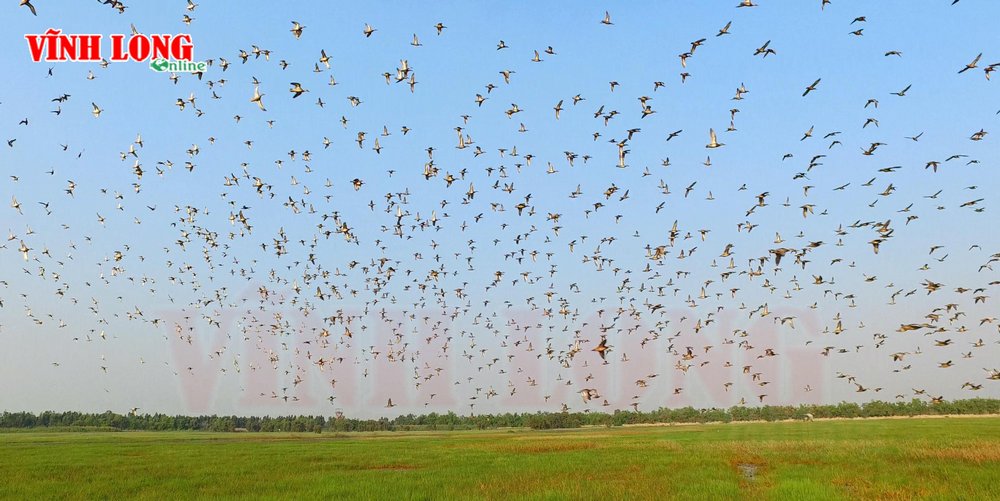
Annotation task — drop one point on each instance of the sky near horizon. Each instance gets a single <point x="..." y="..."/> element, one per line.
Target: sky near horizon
<point x="149" y="292"/>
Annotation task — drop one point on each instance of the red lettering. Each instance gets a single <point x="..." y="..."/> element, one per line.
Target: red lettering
<point x="89" y="48"/>
<point x="161" y="46"/>
<point x="117" y="52"/>
<point x="56" y="46"/>
<point x="52" y="46"/>
<point x="181" y="48"/>
<point x="35" y="44"/>
<point x="138" y="47"/>
<point x="67" y="47"/>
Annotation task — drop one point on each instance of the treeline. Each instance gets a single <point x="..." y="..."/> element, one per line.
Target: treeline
<point x="765" y="413"/>
<point x="451" y="421"/>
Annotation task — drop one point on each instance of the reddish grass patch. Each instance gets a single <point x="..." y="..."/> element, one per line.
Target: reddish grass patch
<point x="977" y="452"/>
<point x="540" y="448"/>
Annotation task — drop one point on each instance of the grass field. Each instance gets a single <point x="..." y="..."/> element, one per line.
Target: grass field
<point x="946" y="458"/>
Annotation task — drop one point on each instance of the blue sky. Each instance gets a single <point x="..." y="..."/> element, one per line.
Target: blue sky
<point x="224" y="369"/>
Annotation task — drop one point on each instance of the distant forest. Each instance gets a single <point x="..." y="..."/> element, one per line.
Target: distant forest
<point x="110" y="421"/>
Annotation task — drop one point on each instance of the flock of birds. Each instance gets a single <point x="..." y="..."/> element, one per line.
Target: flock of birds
<point x="489" y="271"/>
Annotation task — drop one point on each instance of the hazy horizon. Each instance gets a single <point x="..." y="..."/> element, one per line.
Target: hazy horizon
<point x="221" y="279"/>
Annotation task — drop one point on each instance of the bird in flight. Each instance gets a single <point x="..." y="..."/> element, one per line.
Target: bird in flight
<point x="971" y="65"/>
<point x="811" y="87"/>
<point x="337" y="239"/>
<point x="257" y="97"/>
<point x="713" y="142"/>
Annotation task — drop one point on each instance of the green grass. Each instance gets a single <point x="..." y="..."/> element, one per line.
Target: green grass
<point x="945" y="458"/>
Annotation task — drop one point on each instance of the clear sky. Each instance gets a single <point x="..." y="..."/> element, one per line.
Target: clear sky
<point x="199" y="314"/>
